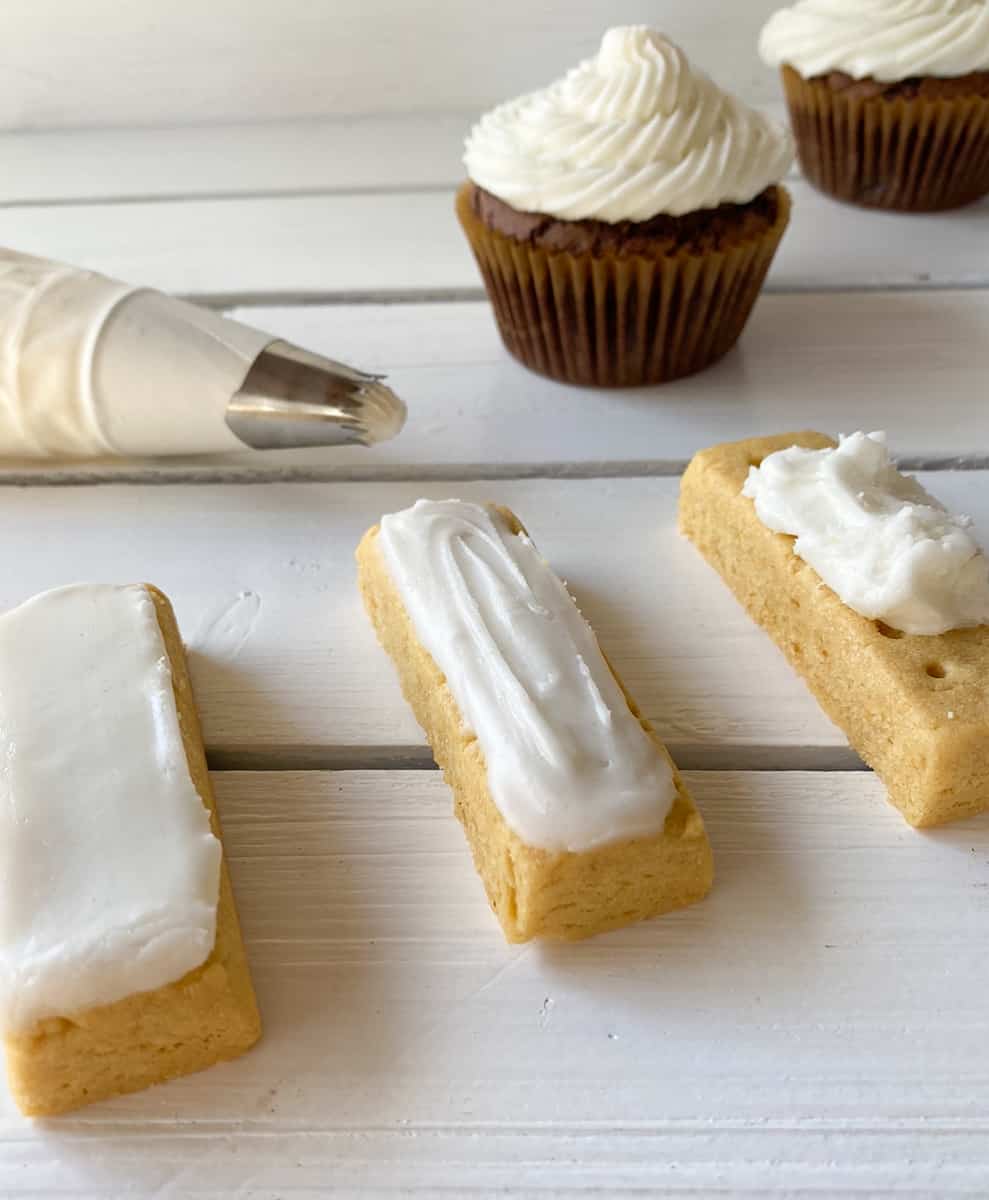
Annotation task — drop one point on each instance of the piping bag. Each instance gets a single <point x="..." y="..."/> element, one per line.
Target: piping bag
<point x="91" y="367"/>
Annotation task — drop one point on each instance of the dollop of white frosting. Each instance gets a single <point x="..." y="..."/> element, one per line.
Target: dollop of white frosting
<point x="569" y="766"/>
<point x="626" y="135"/>
<point x="883" y="544"/>
<point x="109" y="873"/>
<point x="886" y="40"/>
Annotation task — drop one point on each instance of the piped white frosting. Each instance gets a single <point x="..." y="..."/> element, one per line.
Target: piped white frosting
<point x="569" y="766"/>
<point x="883" y="544"/>
<point x="626" y="135"/>
<point x="886" y="40"/>
<point x="109" y="873"/>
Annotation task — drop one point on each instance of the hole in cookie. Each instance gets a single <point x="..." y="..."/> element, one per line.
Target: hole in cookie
<point x="936" y="670"/>
<point x="754" y="460"/>
<point x="888" y="630"/>
<point x="795" y="604"/>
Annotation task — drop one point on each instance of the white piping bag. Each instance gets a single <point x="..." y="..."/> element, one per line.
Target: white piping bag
<point x="91" y="368"/>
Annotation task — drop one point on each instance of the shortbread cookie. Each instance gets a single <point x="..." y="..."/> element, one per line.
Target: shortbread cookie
<point x="914" y="706"/>
<point x="124" y="966"/>
<point x="577" y="819"/>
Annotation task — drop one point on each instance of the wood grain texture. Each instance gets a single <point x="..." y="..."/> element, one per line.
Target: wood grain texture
<point x="185" y="63"/>
<point x="285" y="665"/>
<point x="830" y="361"/>
<point x="404" y="243"/>
<point x="812" y="1028"/>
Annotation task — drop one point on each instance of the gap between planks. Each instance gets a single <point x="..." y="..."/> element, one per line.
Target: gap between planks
<point x="161" y="474"/>
<point x="419" y="758"/>
<point x="315" y="298"/>
<point x="193" y="197"/>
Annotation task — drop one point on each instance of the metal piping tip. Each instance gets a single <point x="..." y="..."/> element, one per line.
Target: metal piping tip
<point x="291" y="397"/>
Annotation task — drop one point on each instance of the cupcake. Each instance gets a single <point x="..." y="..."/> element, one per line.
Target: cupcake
<point x="889" y="99"/>
<point x="624" y="217"/>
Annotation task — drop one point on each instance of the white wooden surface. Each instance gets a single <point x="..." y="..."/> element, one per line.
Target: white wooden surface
<point x="273" y="158"/>
<point x="813" y="1029"/>
<point x="69" y="65"/>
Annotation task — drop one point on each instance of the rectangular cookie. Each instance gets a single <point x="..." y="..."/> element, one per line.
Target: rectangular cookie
<point x="65" y="1059"/>
<point x="575" y="854"/>
<point x="916" y="708"/>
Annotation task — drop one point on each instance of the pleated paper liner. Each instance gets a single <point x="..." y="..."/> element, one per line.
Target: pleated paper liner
<point x="620" y="321"/>
<point x="909" y="154"/>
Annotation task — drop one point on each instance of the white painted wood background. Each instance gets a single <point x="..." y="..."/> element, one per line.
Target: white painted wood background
<point x="816" y="1027"/>
<point x="109" y="64"/>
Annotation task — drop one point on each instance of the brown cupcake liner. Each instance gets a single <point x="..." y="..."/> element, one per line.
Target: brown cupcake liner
<point x="910" y="154"/>
<point x="619" y="320"/>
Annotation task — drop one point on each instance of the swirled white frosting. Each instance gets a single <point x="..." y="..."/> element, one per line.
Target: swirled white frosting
<point x="625" y="136"/>
<point x="875" y="537"/>
<point x="569" y="766"/>
<point x="882" y="39"/>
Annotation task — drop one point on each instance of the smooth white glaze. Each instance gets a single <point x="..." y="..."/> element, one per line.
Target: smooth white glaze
<point x="883" y="544"/>
<point x="569" y="767"/>
<point x="886" y="40"/>
<point x="91" y="367"/>
<point x="109" y="874"/>
<point x="626" y="135"/>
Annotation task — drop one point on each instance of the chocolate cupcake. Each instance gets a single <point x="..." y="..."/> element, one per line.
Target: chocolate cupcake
<point x="889" y="99"/>
<point x="625" y="217"/>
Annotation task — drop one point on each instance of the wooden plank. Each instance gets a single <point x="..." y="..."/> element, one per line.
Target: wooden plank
<point x="812" y="1028"/>
<point x="184" y="63"/>
<point x="346" y="154"/>
<point x="286" y="667"/>
<point x="402" y="244"/>
<point x="290" y="246"/>
<point x="827" y="360"/>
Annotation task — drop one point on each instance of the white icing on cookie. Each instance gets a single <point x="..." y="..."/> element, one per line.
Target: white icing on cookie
<point x="569" y="766"/>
